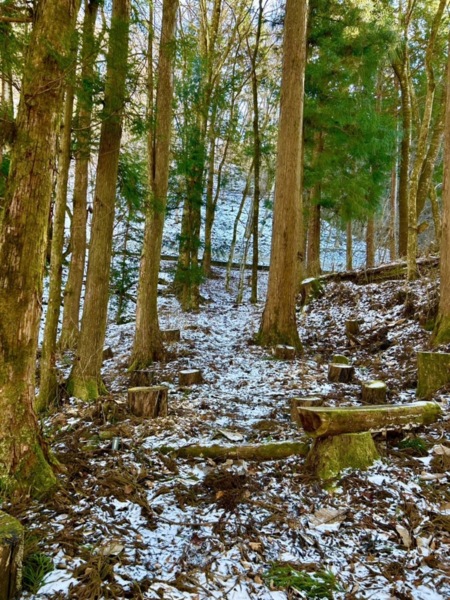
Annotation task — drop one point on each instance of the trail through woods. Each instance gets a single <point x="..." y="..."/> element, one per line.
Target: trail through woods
<point x="138" y="522"/>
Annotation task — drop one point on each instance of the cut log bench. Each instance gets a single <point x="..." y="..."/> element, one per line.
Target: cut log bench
<point x="150" y="402"/>
<point x="342" y="436"/>
<point x="11" y="555"/>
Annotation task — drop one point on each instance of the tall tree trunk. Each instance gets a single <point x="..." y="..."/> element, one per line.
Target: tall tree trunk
<point x="279" y="320"/>
<point x="441" y="333"/>
<point x="22" y="246"/>
<point x="393" y="214"/>
<point x="429" y="163"/>
<point x="313" y="243"/>
<point x="370" y="242"/>
<point x="349" y="247"/>
<point x="72" y="291"/>
<point x="85" y="381"/>
<point x="148" y="345"/>
<point x="48" y="388"/>
<point x="209" y="213"/>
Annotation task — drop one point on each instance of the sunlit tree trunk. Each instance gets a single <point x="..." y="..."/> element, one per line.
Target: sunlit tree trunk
<point x="148" y="345"/>
<point x="48" y="387"/>
<point x="85" y="381"/>
<point x="279" y="320"/>
<point x="72" y="291"/>
<point x="441" y="333"/>
<point x="23" y="234"/>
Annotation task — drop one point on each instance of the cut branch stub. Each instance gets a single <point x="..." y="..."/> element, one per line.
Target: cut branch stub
<point x="190" y="377"/>
<point x="150" y="402"/>
<point x="284" y="352"/>
<point x="433" y="372"/>
<point x="339" y="372"/>
<point x="323" y="421"/>
<point x="374" y="392"/>
<point x="171" y="335"/>
<point x="11" y="555"/>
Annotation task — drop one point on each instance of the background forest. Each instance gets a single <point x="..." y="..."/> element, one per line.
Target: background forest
<point x="149" y="148"/>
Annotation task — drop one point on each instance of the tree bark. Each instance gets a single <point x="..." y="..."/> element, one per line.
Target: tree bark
<point x="48" y="386"/>
<point x="441" y="333"/>
<point x="85" y="381"/>
<point x="370" y="242"/>
<point x="150" y="402"/>
<point x="11" y="556"/>
<point x="22" y="247"/>
<point x="148" y="345"/>
<point x="349" y="247"/>
<point x="72" y="291"/>
<point x="323" y="422"/>
<point x="278" y="324"/>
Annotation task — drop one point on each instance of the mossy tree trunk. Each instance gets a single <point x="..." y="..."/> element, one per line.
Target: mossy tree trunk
<point x="85" y="381"/>
<point x="23" y="239"/>
<point x="83" y="118"/>
<point x="441" y="333"/>
<point x="279" y="324"/>
<point x="48" y="388"/>
<point x="148" y="345"/>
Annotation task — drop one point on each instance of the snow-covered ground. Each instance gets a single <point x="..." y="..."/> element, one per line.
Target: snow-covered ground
<point x="142" y="523"/>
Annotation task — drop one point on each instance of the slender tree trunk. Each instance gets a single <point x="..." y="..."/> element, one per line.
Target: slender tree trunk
<point x="313" y="247"/>
<point x="393" y="214"/>
<point x="370" y="242"/>
<point x="148" y="346"/>
<point x="72" y="291"/>
<point x="121" y="292"/>
<point x="85" y="381"/>
<point x="441" y="333"/>
<point x="436" y="215"/>
<point x="429" y="164"/>
<point x="349" y="247"/>
<point x="48" y="389"/>
<point x="209" y="213"/>
<point x="279" y="320"/>
<point x="22" y="247"/>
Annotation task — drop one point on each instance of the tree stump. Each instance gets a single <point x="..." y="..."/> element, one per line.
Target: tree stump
<point x="108" y="353"/>
<point x="374" y="392"/>
<point x="341" y="373"/>
<point x="11" y="554"/>
<point x="433" y="372"/>
<point x="340" y="359"/>
<point x="171" y="335"/>
<point x="310" y="288"/>
<point x="189" y="377"/>
<point x="284" y="352"/>
<point x="331" y="455"/>
<point x="142" y="378"/>
<point x="352" y="327"/>
<point x="150" y="402"/>
<point x="300" y="402"/>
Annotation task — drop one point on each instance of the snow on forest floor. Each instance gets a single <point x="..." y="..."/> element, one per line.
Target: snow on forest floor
<point x="139" y="523"/>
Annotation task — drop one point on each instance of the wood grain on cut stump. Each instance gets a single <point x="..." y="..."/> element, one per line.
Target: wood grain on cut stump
<point x="11" y="555"/>
<point x="150" y="402"/>
<point x="339" y="372"/>
<point x="190" y="377"/>
<point x="374" y="392"/>
<point x="284" y="352"/>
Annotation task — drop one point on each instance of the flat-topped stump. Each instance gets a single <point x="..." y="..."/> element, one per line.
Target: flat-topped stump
<point x="340" y="359"/>
<point x="373" y="392"/>
<point x="340" y="373"/>
<point x="150" y="402"/>
<point x="284" y="352"/>
<point x="352" y="327"/>
<point x="325" y="421"/>
<point x="11" y="556"/>
<point x="171" y="335"/>
<point x="189" y="377"/>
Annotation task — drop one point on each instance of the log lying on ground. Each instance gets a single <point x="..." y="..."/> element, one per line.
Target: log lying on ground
<point x="284" y="352"/>
<point x="323" y="421"/>
<point x="331" y="455"/>
<point x="150" y="402"/>
<point x="171" y="335"/>
<point x="189" y="377"/>
<point x="11" y="555"/>
<point x="373" y="392"/>
<point x="433" y="372"/>
<point x="306" y="401"/>
<point x="275" y="451"/>
<point x="340" y="373"/>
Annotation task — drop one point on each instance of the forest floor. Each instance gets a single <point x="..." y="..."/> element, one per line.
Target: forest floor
<point x="141" y="523"/>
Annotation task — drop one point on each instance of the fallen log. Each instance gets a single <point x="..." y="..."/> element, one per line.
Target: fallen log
<point x="324" y="421"/>
<point x="11" y="555"/>
<point x="259" y="453"/>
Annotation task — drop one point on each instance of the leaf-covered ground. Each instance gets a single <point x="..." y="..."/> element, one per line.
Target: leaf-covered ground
<point x="141" y="522"/>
